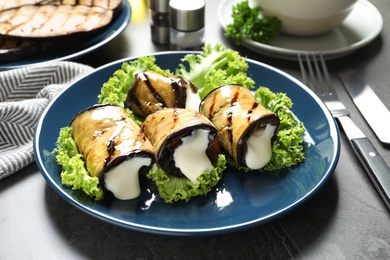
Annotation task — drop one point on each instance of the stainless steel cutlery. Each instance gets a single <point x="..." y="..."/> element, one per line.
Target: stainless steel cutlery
<point x="315" y="75"/>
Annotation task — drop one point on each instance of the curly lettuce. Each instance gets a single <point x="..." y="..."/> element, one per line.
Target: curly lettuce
<point x="287" y="149"/>
<point x="172" y="189"/>
<point x="73" y="173"/>
<point x="213" y="67"/>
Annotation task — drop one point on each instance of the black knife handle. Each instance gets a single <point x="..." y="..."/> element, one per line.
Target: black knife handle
<point x="376" y="168"/>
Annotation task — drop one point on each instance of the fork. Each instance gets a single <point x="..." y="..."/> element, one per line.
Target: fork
<point x="316" y="76"/>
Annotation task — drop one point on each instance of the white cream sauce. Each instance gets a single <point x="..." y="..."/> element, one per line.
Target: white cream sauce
<point x="122" y="180"/>
<point x="190" y="157"/>
<point x="259" y="147"/>
<point x="193" y="100"/>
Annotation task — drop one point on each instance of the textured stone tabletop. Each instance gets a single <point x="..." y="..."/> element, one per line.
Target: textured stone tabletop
<point x="345" y="219"/>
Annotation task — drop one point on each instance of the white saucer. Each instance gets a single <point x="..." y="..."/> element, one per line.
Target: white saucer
<point x="362" y="25"/>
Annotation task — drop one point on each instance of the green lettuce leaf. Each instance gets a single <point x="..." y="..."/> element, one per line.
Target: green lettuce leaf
<point x="287" y="149"/>
<point x="213" y="67"/>
<point x="173" y="188"/>
<point x="73" y="173"/>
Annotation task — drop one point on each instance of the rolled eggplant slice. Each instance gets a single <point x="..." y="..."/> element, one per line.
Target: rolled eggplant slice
<point x="185" y="142"/>
<point x="152" y="91"/>
<point x="245" y="128"/>
<point x="113" y="147"/>
<point x="47" y="19"/>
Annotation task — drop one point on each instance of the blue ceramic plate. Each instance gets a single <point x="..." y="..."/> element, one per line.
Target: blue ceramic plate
<point x="80" y="49"/>
<point x="240" y="201"/>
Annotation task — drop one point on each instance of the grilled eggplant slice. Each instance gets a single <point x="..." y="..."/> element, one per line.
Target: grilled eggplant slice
<point x="46" y="19"/>
<point x="113" y="147"/>
<point x="152" y="91"/>
<point x="185" y="142"/>
<point x="32" y="27"/>
<point x="245" y="128"/>
<point x="4" y="4"/>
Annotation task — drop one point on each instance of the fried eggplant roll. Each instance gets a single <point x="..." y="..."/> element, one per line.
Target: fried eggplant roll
<point x="53" y="18"/>
<point x="113" y="147"/>
<point x="245" y="128"/>
<point x="152" y="91"/>
<point x="184" y="140"/>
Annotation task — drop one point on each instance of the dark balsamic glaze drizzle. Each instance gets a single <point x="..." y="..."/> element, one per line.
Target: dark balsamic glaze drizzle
<point x="174" y="97"/>
<point x="146" y="80"/>
<point x="233" y="103"/>
<point x="110" y="151"/>
<point x="249" y="114"/>
<point x="178" y="85"/>
<point x="134" y="99"/>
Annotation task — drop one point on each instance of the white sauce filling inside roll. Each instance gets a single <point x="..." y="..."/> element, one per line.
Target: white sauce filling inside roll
<point x="123" y="181"/>
<point x="190" y="157"/>
<point x="259" y="147"/>
<point x="193" y="100"/>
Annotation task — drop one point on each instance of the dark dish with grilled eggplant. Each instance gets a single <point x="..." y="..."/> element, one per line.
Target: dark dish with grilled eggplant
<point x="47" y="19"/>
<point x="113" y="147"/>
<point x="32" y="27"/>
<point x="245" y="128"/>
<point x="152" y="91"/>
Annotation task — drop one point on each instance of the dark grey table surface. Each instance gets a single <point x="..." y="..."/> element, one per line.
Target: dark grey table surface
<point x="346" y="219"/>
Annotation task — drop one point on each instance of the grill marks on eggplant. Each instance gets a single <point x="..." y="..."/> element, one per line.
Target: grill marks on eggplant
<point x="45" y="19"/>
<point x="152" y="91"/>
<point x="166" y="128"/>
<point x="110" y="151"/>
<point x="6" y="4"/>
<point x="145" y="79"/>
<point x="230" y="117"/>
<point x="109" y="4"/>
<point x="236" y="114"/>
<point x="106" y="136"/>
<point x="32" y="27"/>
<point x="254" y="106"/>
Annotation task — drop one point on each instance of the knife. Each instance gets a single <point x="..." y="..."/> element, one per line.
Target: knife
<point x="373" y="163"/>
<point x="370" y="106"/>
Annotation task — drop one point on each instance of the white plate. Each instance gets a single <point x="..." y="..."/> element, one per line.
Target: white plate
<point x="362" y="25"/>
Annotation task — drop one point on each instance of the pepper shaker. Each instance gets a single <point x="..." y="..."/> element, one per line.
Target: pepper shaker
<point x="159" y="21"/>
<point x="187" y="22"/>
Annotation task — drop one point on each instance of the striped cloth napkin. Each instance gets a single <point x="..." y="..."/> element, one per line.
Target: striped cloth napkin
<point x="24" y="93"/>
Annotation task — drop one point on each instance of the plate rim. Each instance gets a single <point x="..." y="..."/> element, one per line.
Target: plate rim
<point x="291" y="54"/>
<point x="187" y="231"/>
<point x="111" y="34"/>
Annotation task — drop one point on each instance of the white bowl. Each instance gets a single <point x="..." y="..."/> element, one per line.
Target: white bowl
<point x="307" y="17"/>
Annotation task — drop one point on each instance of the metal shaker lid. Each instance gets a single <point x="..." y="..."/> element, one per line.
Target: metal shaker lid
<point x="187" y="15"/>
<point x="160" y="5"/>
